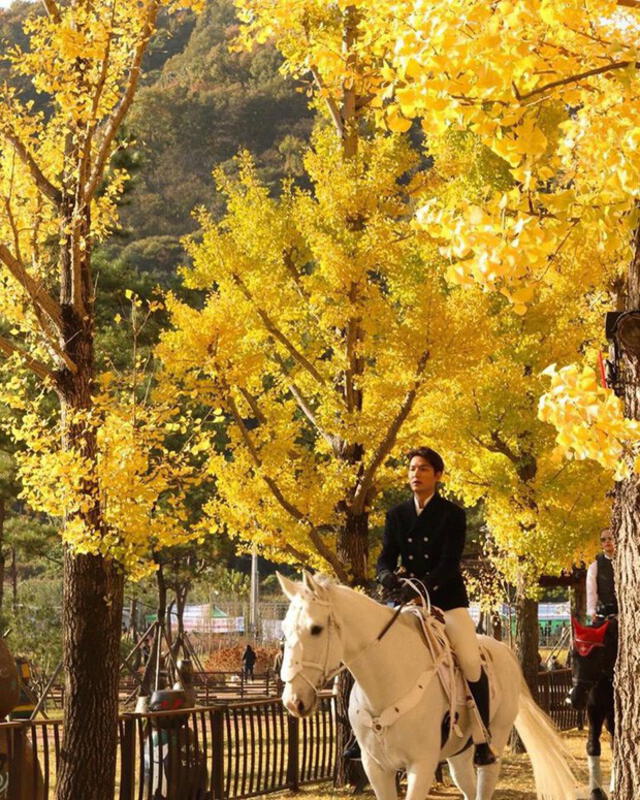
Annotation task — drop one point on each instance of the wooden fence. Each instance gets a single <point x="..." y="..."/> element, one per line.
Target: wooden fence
<point x="209" y="686"/>
<point x="227" y="751"/>
<point x="553" y="689"/>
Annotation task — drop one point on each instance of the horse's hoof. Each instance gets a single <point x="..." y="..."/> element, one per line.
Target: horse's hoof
<point x="597" y="794"/>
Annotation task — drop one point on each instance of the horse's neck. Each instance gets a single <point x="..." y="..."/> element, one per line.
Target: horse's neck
<point x="387" y="669"/>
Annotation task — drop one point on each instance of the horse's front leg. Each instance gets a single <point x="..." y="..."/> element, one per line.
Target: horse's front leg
<point x="420" y="777"/>
<point x="595" y="717"/>
<point x="383" y="781"/>
<point x="463" y="773"/>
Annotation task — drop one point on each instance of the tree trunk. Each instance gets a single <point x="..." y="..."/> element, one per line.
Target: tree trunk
<point x="578" y="594"/>
<point x="346" y="772"/>
<point x="14" y="580"/>
<point x="626" y="524"/>
<point x="92" y="615"/>
<point x="353" y="547"/>
<point x="148" y="678"/>
<point x="93" y="585"/>
<point x="133" y="618"/>
<point x="496" y="626"/>
<point x="527" y="638"/>
<point x="2" y="555"/>
<point x="182" y="592"/>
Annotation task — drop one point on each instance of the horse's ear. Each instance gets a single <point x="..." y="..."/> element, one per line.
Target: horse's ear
<point x="316" y="588"/>
<point x="309" y="582"/>
<point x="289" y="587"/>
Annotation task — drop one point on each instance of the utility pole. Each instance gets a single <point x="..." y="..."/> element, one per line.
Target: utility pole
<point x="254" y="598"/>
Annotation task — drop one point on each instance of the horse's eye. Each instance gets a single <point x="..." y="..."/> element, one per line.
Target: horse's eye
<point x="316" y="630"/>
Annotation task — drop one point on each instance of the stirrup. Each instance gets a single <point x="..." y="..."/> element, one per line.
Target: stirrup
<point x="483" y="755"/>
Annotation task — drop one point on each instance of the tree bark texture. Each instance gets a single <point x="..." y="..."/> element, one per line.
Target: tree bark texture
<point x="92" y="615"/>
<point x="626" y="524"/>
<point x="353" y="547"/>
<point x="93" y="586"/>
<point x="527" y="639"/>
<point x="2" y="553"/>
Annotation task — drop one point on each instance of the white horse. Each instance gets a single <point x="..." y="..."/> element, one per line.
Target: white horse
<point x="398" y="704"/>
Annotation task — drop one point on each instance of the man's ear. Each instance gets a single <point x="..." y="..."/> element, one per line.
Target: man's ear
<point x="289" y="588"/>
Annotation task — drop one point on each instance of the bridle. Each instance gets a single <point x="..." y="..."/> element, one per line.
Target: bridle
<point x="298" y="664"/>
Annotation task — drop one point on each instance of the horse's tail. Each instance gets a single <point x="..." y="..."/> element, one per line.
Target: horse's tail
<point x="548" y="753"/>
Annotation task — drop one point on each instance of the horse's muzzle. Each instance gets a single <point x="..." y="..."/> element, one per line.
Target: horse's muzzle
<point x="298" y="704"/>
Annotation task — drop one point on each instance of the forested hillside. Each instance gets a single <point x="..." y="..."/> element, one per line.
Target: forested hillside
<point x="200" y="105"/>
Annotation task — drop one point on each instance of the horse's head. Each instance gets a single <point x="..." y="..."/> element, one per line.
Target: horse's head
<point x="313" y="647"/>
<point x="593" y="657"/>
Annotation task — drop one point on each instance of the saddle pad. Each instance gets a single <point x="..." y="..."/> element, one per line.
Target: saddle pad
<point x="449" y="672"/>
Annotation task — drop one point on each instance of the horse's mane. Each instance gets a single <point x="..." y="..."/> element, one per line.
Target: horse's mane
<point x="326" y="581"/>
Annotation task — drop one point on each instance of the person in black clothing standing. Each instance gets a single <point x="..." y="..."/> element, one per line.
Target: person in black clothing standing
<point x="601" y="589"/>
<point x="425" y="536"/>
<point x="248" y="661"/>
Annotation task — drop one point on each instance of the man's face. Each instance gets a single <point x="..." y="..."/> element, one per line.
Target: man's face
<point x="423" y="479"/>
<point x="608" y="543"/>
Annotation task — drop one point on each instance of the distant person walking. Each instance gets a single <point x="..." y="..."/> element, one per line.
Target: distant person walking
<point x="277" y="667"/>
<point x="248" y="662"/>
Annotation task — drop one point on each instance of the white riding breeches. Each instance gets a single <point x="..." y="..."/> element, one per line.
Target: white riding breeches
<point x="461" y="631"/>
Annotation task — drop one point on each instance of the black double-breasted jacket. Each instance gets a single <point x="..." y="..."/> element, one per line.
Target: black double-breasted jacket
<point x="429" y="546"/>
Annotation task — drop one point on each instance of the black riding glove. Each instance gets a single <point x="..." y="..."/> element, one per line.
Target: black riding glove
<point x="406" y="593"/>
<point x="389" y="580"/>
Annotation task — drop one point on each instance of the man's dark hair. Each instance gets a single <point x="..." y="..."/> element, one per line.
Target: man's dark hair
<point x="435" y="459"/>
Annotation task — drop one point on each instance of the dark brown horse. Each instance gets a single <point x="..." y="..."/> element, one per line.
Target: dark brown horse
<point x="593" y="661"/>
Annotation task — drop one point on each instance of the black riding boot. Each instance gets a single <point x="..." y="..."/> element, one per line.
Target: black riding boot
<point x="483" y="755"/>
<point x="352" y="751"/>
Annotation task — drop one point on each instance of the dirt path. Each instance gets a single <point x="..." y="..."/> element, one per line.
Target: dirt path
<point x="516" y="778"/>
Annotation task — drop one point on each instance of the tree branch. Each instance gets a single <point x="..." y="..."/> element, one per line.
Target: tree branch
<point x="277" y="333"/>
<point x="289" y="507"/>
<point x="37" y="367"/>
<point x="574" y="78"/>
<point x="43" y="184"/>
<point x="35" y="291"/>
<point x="384" y="448"/>
<point x="306" y="409"/>
<point x="253" y="405"/>
<point x="52" y="9"/>
<point x="629" y="3"/>
<point x="97" y="95"/>
<point x="123" y="106"/>
<point x="334" y="111"/>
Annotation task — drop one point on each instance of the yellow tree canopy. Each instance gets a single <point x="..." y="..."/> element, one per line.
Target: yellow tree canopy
<point x="537" y="86"/>
<point x="92" y="453"/>
<point x="326" y="320"/>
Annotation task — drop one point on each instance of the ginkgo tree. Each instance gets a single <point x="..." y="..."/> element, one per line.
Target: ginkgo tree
<point x="552" y="88"/>
<point x="325" y="321"/>
<point x="91" y="454"/>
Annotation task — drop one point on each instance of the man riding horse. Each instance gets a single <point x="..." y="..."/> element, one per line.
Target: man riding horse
<point x="425" y="536"/>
